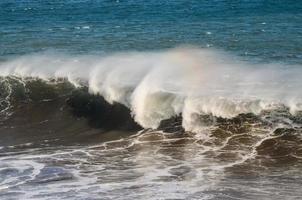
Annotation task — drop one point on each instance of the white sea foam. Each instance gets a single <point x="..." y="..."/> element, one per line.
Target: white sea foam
<point x="159" y="85"/>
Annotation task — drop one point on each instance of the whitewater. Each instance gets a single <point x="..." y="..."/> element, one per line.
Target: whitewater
<point x="182" y="123"/>
<point x="150" y="100"/>
<point x="184" y="81"/>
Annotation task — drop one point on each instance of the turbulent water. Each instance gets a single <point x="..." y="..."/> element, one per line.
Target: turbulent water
<point x="150" y="100"/>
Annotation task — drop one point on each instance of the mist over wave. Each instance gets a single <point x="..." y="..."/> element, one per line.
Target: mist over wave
<point x="156" y="86"/>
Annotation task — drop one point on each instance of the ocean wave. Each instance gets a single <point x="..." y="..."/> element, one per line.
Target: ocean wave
<point x="157" y="86"/>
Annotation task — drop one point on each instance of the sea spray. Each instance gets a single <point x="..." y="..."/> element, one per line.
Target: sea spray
<point x="159" y="85"/>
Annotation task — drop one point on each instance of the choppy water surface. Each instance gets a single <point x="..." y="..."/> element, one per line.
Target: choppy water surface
<point x="55" y="146"/>
<point x="232" y="162"/>
<point x="150" y="100"/>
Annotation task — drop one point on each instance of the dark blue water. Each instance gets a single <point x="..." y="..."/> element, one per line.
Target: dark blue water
<point x="260" y="30"/>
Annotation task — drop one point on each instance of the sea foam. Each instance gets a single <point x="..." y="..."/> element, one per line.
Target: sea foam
<point x="183" y="81"/>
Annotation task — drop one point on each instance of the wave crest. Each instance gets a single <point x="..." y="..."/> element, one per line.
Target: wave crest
<point x="156" y="86"/>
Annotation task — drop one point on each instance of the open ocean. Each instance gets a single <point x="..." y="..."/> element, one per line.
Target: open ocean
<point x="171" y="99"/>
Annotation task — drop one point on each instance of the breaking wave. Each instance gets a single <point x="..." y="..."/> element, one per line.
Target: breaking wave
<point x="88" y="122"/>
<point x="197" y="86"/>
